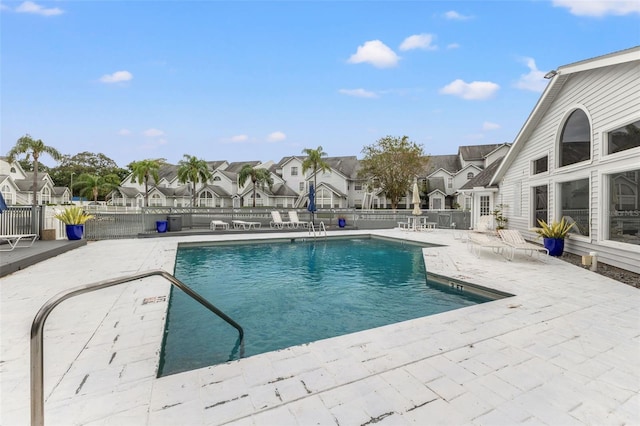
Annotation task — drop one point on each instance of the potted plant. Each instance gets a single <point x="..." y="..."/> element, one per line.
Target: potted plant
<point x="501" y="220"/>
<point x="74" y="218"/>
<point x="554" y="234"/>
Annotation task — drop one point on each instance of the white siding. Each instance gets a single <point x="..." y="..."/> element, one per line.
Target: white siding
<point x="609" y="96"/>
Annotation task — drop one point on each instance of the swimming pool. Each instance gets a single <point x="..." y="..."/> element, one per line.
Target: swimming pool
<point x="290" y="293"/>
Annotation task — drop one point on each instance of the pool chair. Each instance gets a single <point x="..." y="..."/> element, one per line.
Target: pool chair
<point x="484" y="225"/>
<point x="277" y="222"/>
<point x="238" y="224"/>
<point x="514" y="239"/>
<point x="295" y="221"/>
<point x="218" y="224"/>
<point x="478" y="241"/>
<point x="18" y="240"/>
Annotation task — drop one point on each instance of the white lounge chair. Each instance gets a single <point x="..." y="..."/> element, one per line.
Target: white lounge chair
<point x="246" y="225"/>
<point x="14" y="240"/>
<point x="295" y="220"/>
<point x="476" y="241"/>
<point x="484" y="224"/>
<point x="215" y="224"/>
<point x="277" y="221"/>
<point x="516" y="241"/>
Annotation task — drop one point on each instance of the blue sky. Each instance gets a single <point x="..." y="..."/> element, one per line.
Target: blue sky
<point x="262" y="80"/>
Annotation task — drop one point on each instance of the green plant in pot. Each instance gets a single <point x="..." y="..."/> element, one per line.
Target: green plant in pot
<point x="554" y="234"/>
<point x="74" y="219"/>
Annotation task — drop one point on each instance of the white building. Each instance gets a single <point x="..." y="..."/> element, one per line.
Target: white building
<point x="578" y="156"/>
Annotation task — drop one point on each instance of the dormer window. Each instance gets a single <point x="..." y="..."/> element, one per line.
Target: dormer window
<point x="469" y="175"/>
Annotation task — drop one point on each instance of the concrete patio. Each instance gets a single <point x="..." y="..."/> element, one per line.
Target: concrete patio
<point x="564" y="350"/>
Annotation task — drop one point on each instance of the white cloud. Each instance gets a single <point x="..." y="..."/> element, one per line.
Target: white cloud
<point x="276" y="137"/>
<point x="239" y="138"/>
<point x="476" y="90"/>
<point x="534" y="81"/>
<point x="358" y="93"/>
<point x="487" y="125"/>
<point x="152" y="133"/>
<point x="376" y="53"/>
<point x="418" y="41"/>
<point x="31" y="7"/>
<point x="124" y="132"/>
<point x="116" y="77"/>
<point x="599" y="7"/>
<point x="453" y="46"/>
<point x="455" y="16"/>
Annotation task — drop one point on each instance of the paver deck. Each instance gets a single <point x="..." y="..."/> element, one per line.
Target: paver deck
<point x="564" y="350"/>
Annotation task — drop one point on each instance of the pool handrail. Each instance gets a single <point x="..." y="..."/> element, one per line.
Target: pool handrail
<point x="37" y="327"/>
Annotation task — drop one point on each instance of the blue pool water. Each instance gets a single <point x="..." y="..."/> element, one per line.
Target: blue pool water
<point x="289" y="293"/>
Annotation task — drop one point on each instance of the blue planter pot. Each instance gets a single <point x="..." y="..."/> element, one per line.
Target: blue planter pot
<point x="74" y="232"/>
<point x="554" y="245"/>
<point x="342" y="223"/>
<point x="161" y="226"/>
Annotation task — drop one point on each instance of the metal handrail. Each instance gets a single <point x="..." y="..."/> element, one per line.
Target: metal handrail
<point x="37" y="327"/>
<point x="321" y="228"/>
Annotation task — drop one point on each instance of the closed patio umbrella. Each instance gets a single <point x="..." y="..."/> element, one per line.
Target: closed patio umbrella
<point x="312" y="200"/>
<point x="416" y="204"/>
<point x="416" y="200"/>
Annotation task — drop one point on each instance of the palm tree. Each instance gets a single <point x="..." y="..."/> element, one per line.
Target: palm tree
<point x="315" y="162"/>
<point x="32" y="149"/>
<point x="142" y="171"/>
<point x="91" y="185"/>
<point x="193" y="169"/>
<point x="258" y="176"/>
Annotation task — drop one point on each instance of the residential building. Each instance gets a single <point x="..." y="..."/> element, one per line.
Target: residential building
<point x="578" y="157"/>
<point x="17" y="186"/>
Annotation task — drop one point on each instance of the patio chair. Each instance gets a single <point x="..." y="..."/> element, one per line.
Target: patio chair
<point x="14" y="240"/>
<point x="514" y="239"/>
<point x="277" y="221"/>
<point x="237" y="224"/>
<point x="484" y="224"/>
<point x="215" y="224"/>
<point x="295" y="220"/>
<point x="476" y="241"/>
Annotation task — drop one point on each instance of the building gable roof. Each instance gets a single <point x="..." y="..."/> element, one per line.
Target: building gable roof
<point x="450" y="163"/>
<point x="477" y="152"/>
<point x="551" y="93"/>
<point x="483" y="179"/>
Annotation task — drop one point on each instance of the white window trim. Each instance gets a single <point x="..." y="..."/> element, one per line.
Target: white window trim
<point x="557" y="204"/>
<point x="606" y="158"/>
<point x="603" y="230"/>
<point x="571" y="167"/>
<point x="532" y="166"/>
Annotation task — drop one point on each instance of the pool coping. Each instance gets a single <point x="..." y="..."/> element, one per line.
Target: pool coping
<point x="555" y="352"/>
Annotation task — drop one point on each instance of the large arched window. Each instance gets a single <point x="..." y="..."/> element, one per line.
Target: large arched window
<point x="575" y="140"/>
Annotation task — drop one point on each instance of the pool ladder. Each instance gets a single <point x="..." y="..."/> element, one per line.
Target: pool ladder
<point x="321" y="229"/>
<point x="37" y="327"/>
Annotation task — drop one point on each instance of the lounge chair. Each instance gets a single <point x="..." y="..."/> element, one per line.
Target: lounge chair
<point x="484" y="225"/>
<point x="295" y="220"/>
<point x="476" y="241"/>
<point x="215" y="224"/>
<point x="277" y="221"/>
<point x="237" y="224"/>
<point x="14" y="240"/>
<point x="514" y="239"/>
